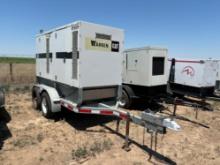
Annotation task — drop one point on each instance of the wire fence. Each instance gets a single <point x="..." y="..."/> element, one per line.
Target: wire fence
<point x="17" y="73"/>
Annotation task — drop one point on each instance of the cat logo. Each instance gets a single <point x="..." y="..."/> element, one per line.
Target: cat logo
<point x="101" y="45"/>
<point x="115" y="46"/>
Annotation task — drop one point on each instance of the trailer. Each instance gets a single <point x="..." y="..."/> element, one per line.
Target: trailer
<point x="144" y="74"/>
<point x="192" y="77"/>
<point x="79" y="68"/>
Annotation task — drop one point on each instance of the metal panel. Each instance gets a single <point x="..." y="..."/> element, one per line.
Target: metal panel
<point x="48" y="54"/>
<point x="103" y="36"/>
<point x="94" y="94"/>
<point x="100" y="67"/>
<point x="132" y="62"/>
<point x="75" y="54"/>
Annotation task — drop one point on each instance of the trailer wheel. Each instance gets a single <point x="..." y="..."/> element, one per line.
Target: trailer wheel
<point x="125" y="101"/>
<point x="178" y="95"/>
<point x="2" y="99"/>
<point x="46" y="105"/>
<point x="35" y="99"/>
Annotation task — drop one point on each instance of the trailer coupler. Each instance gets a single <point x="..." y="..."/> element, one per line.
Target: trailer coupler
<point x="151" y="123"/>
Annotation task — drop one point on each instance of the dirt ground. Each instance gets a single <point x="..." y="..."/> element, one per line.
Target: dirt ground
<point x="28" y="138"/>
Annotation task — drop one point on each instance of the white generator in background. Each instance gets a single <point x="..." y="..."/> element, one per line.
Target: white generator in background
<point x="144" y="74"/>
<point x="82" y="61"/>
<point x="192" y="77"/>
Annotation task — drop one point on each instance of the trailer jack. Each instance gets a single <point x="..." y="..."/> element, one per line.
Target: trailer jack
<point x="127" y="130"/>
<point x="151" y="123"/>
<point x="153" y="139"/>
<point x="126" y="145"/>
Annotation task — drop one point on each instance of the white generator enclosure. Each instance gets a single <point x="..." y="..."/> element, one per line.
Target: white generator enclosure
<point x="145" y="66"/>
<point x="82" y="60"/>
<point x="196" y="77"/>
<point x="144" y="72"/>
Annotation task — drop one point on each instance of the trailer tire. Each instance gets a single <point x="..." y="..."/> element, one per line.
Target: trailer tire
<point x="46" y="105"/>
<point x="125" y="101"/>
<point x="2" y="99"/>
<point x="36" y="100"/>
<point x="178" y="95"/>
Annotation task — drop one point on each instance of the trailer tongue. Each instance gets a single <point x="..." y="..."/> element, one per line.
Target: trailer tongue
<point x="152" y="122"/>
<point x="148" y="119"/>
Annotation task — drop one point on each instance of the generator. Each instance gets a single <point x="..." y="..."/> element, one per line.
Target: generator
<point x="79" y="69"/>
<point x="192" y="77"/>
<point x="82" y="61"/>
<point x="144" y="73"/>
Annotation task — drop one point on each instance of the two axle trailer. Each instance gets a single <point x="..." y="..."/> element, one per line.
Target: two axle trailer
<point x="79" y="67"/>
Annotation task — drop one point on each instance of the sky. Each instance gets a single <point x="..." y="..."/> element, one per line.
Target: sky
<point x="188" y="28"/>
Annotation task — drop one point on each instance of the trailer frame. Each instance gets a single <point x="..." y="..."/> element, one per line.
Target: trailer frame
<point x="151" y="122"/>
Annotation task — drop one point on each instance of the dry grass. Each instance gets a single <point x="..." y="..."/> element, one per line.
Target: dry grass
<point x="21" y="73"/>
<point x="85" y="151"/>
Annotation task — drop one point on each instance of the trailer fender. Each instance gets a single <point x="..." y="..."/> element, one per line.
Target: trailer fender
<point x="53" y="94"/>
<point x="129" y="91"/>
<point x="2" y="98"/>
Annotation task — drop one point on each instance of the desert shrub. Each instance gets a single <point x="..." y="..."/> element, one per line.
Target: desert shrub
<point x="80" y="152"/>
<point x="94" y="149"/>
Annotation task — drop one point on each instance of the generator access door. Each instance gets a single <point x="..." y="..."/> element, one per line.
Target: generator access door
<point x="132" y="60"/>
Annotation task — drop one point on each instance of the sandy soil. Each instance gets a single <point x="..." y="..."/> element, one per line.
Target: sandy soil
<point x="68" y="139"/>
